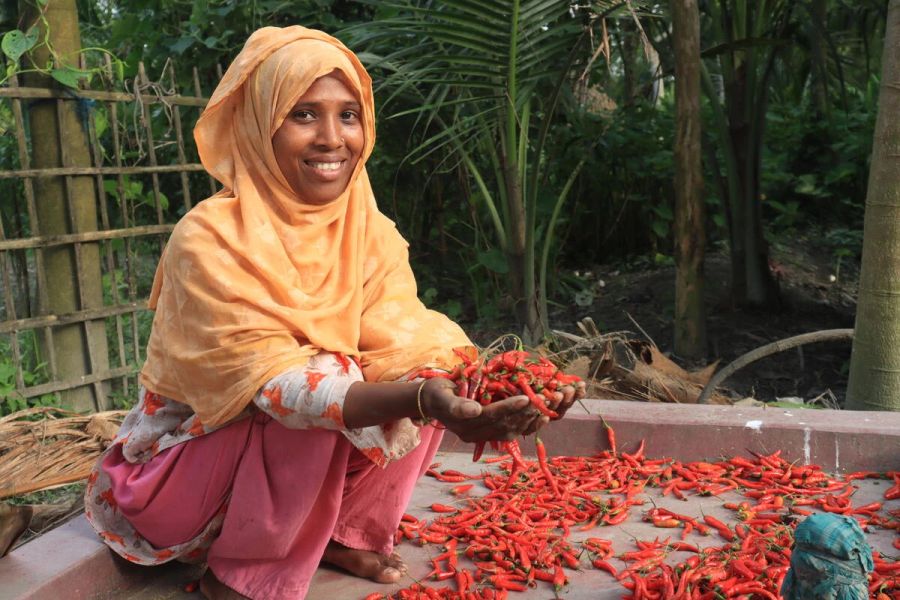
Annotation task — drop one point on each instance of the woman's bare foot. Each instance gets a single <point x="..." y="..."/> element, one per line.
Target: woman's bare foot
<point x="213" y="589"/>
<point x="365" y="564"/>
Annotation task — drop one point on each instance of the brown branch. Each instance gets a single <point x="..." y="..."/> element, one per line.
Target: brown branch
<point x="828" y="335"/>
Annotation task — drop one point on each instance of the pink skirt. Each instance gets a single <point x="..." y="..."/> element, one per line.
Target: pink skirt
<point x="285" y="493"/>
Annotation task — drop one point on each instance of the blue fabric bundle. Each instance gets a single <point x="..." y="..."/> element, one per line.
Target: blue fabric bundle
<point x="829" y="561"/>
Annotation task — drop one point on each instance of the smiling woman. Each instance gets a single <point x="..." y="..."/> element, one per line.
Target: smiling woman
<point x="277" y="426"/>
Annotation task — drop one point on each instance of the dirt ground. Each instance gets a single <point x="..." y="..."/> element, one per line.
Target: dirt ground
<point x="643" y="296"/>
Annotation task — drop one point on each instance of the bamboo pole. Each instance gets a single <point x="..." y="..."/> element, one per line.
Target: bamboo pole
<point x="66" y="205"/>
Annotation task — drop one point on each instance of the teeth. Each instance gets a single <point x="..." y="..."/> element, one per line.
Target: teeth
<point x="327" y="166"/>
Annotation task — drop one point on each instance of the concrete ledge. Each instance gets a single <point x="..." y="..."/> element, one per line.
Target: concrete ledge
<point x="71" y="561"/>
<point x="838" y="441"/>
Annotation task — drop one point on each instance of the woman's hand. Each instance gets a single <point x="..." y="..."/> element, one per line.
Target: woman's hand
<point x="499" y="421"/>
<point x="561" y="402"/>
<point x="566" y="397"/>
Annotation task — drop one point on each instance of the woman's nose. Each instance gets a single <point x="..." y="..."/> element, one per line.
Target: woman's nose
<point x="329" y="133"/>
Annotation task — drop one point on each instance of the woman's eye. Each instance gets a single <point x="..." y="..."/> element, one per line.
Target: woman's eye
<point x="302" y="114"/>
<point x="348" y="115"/>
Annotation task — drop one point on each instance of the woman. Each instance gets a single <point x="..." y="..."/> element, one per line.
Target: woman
<point x="275" y="427"/>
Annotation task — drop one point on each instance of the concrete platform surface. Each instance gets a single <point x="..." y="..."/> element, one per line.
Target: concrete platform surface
<point x="71" y="562"/>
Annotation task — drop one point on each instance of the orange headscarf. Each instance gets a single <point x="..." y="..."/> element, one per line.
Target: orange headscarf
<point x="253" y="281"/>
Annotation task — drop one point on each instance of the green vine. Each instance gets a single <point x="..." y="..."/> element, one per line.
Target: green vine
<point x="17" y="43"/>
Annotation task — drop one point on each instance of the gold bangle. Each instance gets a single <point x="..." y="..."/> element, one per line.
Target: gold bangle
<point x="419" y="401"/>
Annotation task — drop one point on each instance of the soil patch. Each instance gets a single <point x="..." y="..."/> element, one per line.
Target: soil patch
<point x="640" y="300"/>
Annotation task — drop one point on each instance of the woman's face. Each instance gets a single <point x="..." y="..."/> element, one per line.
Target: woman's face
<point x="320" y="141"/>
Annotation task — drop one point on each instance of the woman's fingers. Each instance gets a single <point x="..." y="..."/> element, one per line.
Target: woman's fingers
<point x="443" y="404"/>
<point x="569" y="395"/>
<point x="556" y="400"/>
<point x="536" y="424"/>
<point x="462" y="408"/>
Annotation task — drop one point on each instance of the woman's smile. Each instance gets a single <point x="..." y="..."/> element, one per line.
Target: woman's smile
<point x="326" y="170"/>
<point x="319" y="143"/>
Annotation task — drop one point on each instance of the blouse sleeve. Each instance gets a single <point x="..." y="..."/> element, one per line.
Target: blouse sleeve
<point x="311" y="396"/>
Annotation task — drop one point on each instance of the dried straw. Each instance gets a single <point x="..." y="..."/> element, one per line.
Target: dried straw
<point x="58" y="448"/>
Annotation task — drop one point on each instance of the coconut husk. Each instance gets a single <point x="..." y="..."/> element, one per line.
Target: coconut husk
<point x="47" y="447"/>
<point x="617" y="367"/>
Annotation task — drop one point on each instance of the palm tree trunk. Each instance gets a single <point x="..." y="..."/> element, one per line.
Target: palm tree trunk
<point x="875" y="362"/>
<point x="690" y="233"/>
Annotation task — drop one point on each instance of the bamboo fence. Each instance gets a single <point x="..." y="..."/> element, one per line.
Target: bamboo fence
<point x="140" y="159"/>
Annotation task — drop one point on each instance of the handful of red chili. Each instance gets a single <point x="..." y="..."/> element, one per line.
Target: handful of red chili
<point x="507" y="374"/>
<point x="518" y="535"/>
<point x="503" y="375"/>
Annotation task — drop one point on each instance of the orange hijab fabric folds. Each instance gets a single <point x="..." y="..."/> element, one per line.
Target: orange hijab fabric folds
<point x="253" y="281"/>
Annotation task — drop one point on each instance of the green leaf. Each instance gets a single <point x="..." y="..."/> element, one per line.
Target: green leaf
<point x="182" y="44"/>
<point x="664" y="211"/>
<point x="15" y="43"/>
<point x="494" y="260"/>
<point x="660" y="228"/>
<point x="133" y="189"/>
<point x="101" y="123"/>
<point x="453" y="309"/>
<point x="719" y="220"/>
<point x="7" y="371"/>
<point x="32" y="35"/>
<point x="110" y="186"/>
<point x="428" y="296"/>
<point x="68" y="76"/>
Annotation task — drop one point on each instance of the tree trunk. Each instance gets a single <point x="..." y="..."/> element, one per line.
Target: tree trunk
<point x="690" y="233"/>
<point x="67" y="205"/>
<point x="629" y="47"/>
<point x="752" y="282"/>
<point x="818" y="58"/>
<point x="875" y="361"/>
<point x="524" y="291"/>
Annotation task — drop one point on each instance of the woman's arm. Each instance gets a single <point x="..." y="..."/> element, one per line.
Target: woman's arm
<point x="377" y="403"/>
<point x="370" y="404"/>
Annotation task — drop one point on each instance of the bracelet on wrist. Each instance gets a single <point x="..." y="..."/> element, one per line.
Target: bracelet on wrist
<point x="419" y="401"/>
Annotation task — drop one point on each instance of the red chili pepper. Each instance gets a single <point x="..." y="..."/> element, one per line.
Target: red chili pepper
<point x="545" y="468"/>
<point x="559" y="578"/>
<point x="461" y="489"/>
<point x="479" y="450"/>
<point x="605" y="566"/>
<point x="536" y="401"/>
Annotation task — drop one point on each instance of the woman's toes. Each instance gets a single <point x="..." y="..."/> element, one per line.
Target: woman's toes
<point x="366" y="564"/>
<point x="394" y="567"/>
<point x="388" y="575"/>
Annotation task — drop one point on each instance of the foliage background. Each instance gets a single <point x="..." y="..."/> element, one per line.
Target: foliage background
<point x="619" y="213"/>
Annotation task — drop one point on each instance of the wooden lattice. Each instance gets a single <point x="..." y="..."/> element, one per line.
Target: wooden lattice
<point x="128" y="152"/>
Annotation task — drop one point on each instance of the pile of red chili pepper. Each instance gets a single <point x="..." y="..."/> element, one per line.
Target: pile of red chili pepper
<point x="520" y="533"/>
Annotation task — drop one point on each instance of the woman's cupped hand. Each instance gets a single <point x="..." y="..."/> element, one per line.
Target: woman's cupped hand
<point x="502" y="420"/>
